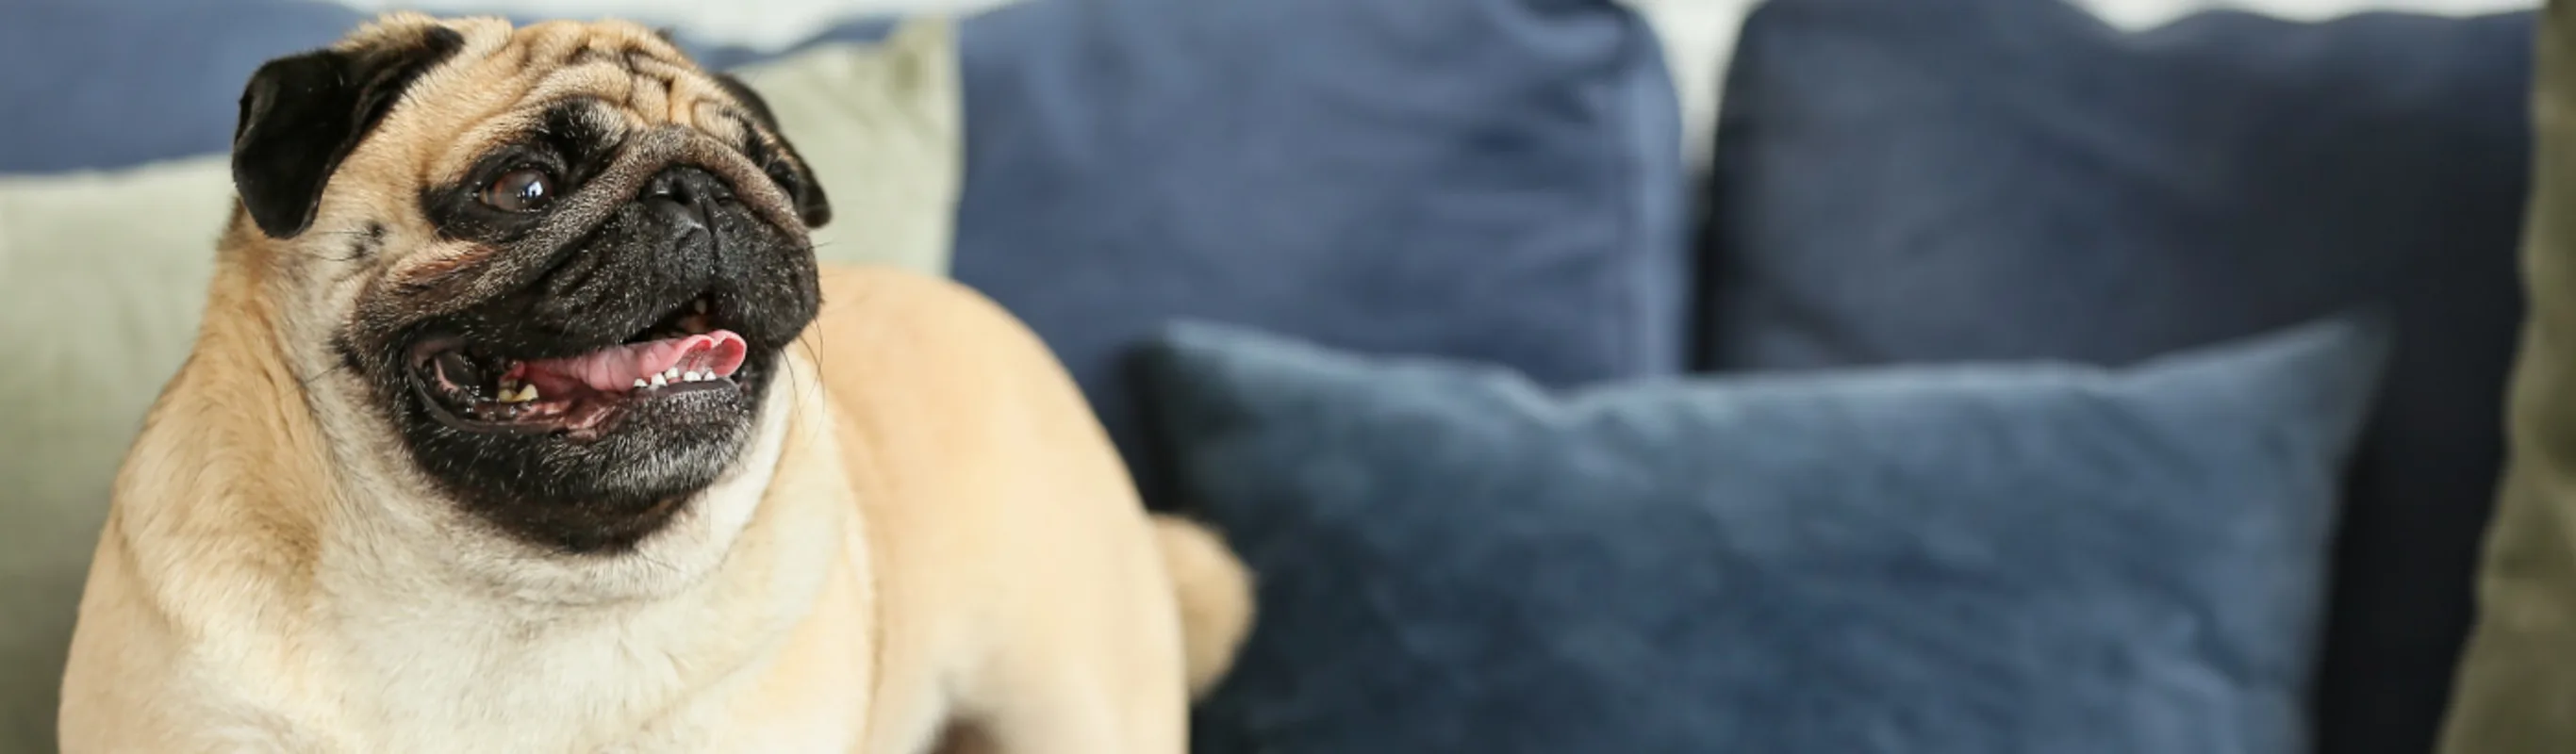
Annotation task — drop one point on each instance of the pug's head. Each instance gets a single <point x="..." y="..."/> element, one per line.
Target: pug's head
<point x="552" y="269"/>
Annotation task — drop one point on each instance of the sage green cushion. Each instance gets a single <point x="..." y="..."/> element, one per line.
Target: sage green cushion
<point x="102" y="277"/>
<point x="2516" y="689"/>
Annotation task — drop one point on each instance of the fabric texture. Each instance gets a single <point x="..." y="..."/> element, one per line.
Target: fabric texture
<point x="2517" y="682"/>
<point x="101" y="309"/>
<point x="111" y="84"/>
<point x="103" y="84"/>
<point x="1976" y="179"/>
<point x="1998" y="559"/>
<point x="1490" y="179"/>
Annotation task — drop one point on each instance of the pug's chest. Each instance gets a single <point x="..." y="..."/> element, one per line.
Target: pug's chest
<point x="706" y="723"/>
<point x="621" y="691"/>
<point x="690" y="731"/>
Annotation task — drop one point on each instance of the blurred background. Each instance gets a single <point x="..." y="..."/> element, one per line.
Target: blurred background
<point x="1674" y="375"/>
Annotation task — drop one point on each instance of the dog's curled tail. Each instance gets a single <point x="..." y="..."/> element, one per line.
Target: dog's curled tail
<point x="1215" y="594"/>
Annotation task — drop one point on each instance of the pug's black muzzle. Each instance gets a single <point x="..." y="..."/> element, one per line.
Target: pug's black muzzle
<point x="582" y="389"/>
<point x="684" y="238"/>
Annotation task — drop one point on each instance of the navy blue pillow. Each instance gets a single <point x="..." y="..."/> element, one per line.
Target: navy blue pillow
<point x="2001" y="559"/>
<point x="1490" y="179"/>
<point x="1938" y="180"/>
<point x="102" y="84"/>
<point x="114" y="83"/>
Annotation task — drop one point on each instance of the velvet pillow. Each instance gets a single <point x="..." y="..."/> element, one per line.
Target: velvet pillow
<point x="1493" y="179"/>
<point x="106" y="84"/>
<point x="1989" y="559"/>
<point x="94" y="84"/>
<point x="1938" y="180"/>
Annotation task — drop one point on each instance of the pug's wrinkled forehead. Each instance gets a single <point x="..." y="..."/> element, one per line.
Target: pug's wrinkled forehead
<point x="436" y="100"/>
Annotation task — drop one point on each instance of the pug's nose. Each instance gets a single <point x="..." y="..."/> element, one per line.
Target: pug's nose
<point x="683" y="194"/>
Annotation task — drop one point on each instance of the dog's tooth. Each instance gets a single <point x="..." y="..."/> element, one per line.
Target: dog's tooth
<point x="639" y="384"/>
<point x="691" y="376"/>
<point x="658" y="381"/>
<point x="528" y="393"/>
<point x="672" y="373"/>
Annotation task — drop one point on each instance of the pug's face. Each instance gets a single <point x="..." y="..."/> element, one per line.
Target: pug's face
<point x="554" y="267"/>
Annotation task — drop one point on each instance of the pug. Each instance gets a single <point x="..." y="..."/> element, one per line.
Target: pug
<point x="521" y="419"/>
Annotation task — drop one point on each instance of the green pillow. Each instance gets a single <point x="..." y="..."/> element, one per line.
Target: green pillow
<point x="102" y="277"/>
<point x="101" y="280"/>
<point x="2516" y="690"/>
<point x="880" y="126"/>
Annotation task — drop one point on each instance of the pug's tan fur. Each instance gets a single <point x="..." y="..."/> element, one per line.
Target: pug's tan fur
<point x="927" y="545"/>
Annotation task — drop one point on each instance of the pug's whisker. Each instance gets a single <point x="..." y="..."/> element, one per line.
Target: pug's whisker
<point x="306" y="381"/>
<point x="814" y="356"/>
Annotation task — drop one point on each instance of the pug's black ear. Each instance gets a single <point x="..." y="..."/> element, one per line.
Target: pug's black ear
<point x="301" y="115"/>
<point x="786" y="167"/>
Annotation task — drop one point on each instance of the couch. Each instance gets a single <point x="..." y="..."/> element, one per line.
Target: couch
<point x="1973" y="375"/>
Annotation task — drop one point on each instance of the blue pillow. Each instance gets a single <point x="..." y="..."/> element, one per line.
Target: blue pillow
<point x="114" y="83"/>
<point x="103" y="84"/>
<point x="1939" y="180"/>
<point x="1489" y="179"/>
<point x="1999" y="559"/>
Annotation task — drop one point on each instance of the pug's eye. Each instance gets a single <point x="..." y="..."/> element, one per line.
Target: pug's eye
<point x="521" y="190"/>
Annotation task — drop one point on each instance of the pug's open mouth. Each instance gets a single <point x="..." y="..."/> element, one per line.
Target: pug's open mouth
<point x="480" y="388"/>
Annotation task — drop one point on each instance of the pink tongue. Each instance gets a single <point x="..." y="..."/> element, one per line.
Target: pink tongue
<point x="616" y="369"/>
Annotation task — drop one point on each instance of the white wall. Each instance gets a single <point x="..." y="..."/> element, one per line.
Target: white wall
<point x="2145" y="13"/>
